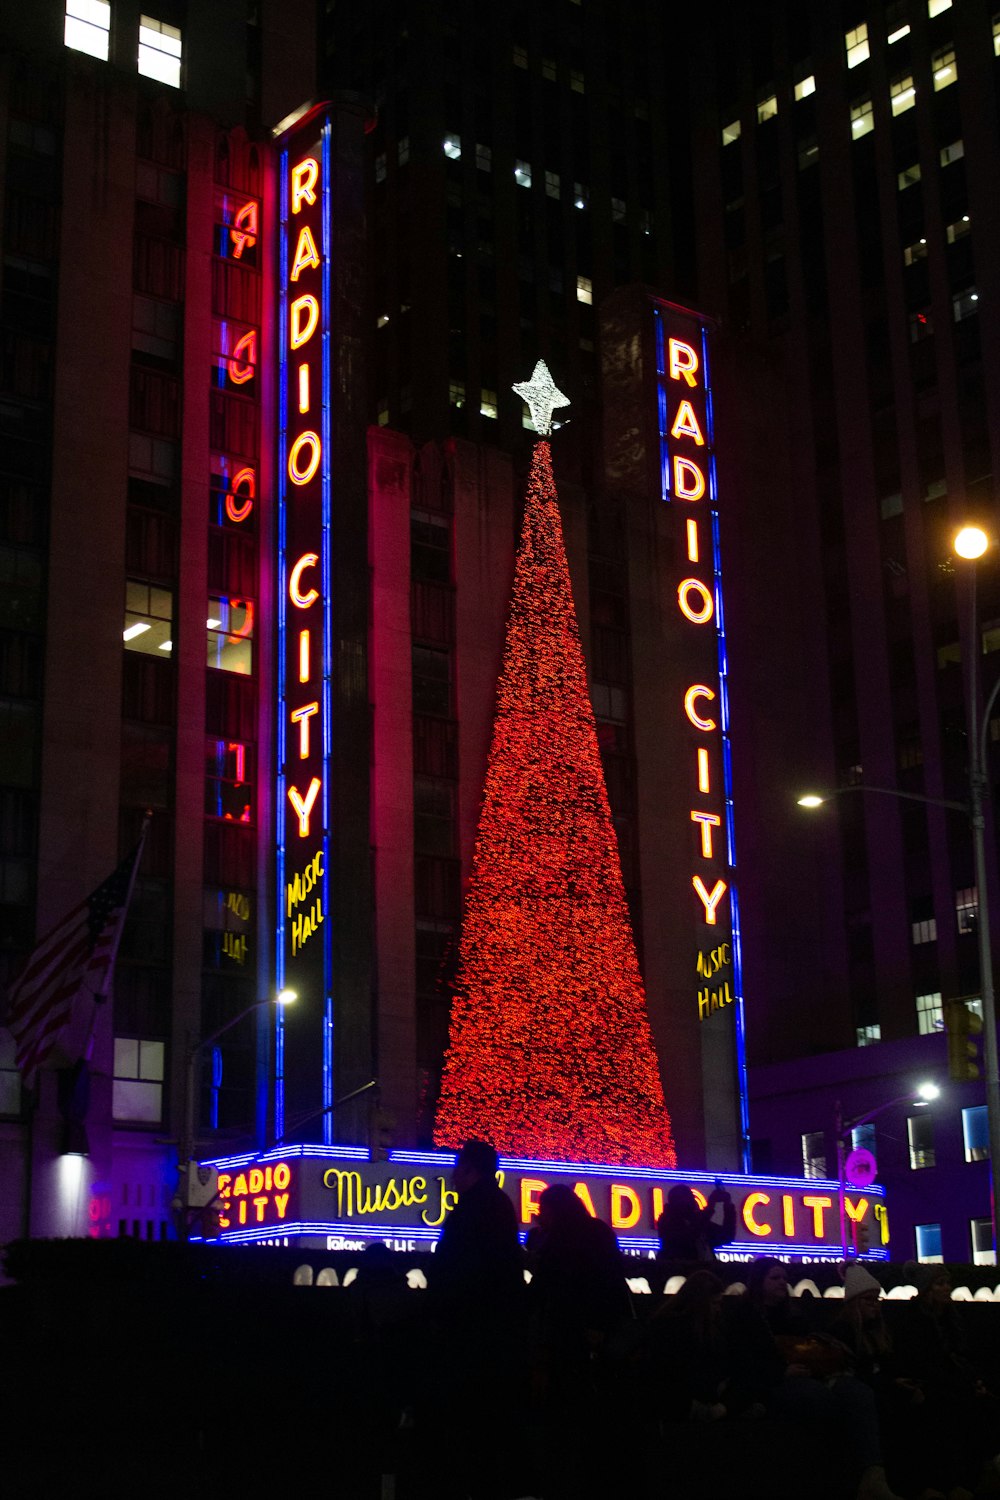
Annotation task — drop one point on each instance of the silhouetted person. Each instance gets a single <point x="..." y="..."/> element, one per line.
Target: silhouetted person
<point x="692" y="1234"/>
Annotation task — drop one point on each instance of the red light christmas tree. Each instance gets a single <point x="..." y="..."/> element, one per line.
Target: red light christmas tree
<point x="551" y="1054"/>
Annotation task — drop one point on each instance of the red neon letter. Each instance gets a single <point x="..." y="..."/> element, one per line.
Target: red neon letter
<point x="693" y="693"/>
<point x="305" y="253"/>
<point x="710" y="902"/>
<point x="304" y="805"/>
<point x="697" y="615"/>
<point x="704" y="780"/>
<point x="686" y="469"/>
<point x="683" y="361"/>
<point x="301" y="717"/>
<point x="692" y="535"/>
<point x="708" y="821"/>
<point x="244" y="231"/>
<point x="298" y="598"/>
<point x="304" y="440"/>
<point x="788" y="1214"/>
<point x="751" y="1202"/>
<point x="303" y="388"/>
<point x="298" y="334"/>
<point x="303" y="656"/>
<point x="819" y="1207"/>
<point x="625" y="1206"/>
<point x="248" y="479"/>
<point x="686" y="424"/>
<point x="240" y="371"/>
<point x="305" y="175"/>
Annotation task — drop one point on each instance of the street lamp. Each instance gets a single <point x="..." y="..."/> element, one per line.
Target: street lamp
<point x="194" y="1051"/>
<point x="925" y="1092"/>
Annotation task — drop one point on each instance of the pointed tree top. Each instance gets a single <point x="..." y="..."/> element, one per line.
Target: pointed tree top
<point x="541" y="394"/>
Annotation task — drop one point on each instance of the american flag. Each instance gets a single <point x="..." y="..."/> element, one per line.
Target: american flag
<point x="75" y="959"/>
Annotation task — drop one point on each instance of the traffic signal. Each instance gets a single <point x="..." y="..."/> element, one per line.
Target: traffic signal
<point x="963" y="1026"/>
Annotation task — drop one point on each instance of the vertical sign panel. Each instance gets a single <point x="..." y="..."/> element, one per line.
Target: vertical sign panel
<point x="303" y="1060"/>
<point x="688" y="486"/>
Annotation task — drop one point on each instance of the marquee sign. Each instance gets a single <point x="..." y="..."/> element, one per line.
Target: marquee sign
<point x="303" y="963"/>
<point x="338" y="1199"/>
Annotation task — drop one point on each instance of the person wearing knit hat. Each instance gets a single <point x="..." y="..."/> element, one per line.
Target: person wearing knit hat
<point x="859" y="1282"/>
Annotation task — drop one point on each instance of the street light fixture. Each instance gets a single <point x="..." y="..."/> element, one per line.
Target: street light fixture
<point x="194" y="1050"/>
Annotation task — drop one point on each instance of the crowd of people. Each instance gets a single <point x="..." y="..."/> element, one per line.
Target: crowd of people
<point x="553" y="1386"/>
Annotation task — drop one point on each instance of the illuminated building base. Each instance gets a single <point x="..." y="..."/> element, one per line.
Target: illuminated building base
<point x="337" y="1198"/>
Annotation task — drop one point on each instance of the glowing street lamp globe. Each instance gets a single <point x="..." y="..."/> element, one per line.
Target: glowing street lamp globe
<point x="971" y="542"/>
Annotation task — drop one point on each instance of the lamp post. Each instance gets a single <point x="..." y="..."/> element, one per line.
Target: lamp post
<point x="927" y="1091"/>
<point x="194" y="1051"/>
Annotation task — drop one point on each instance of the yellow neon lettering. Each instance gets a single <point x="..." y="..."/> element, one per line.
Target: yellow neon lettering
<point x="531" y="1188"/>
<point x="297" y="889"/>
<point x="700" y="614"/>
<point x="446" y="1203"/>
<point x="299" y="599"/>
<point x="708" y="821"/>
<point x="256" y="1180"/>
<point x="689" y="481"/>
<point x="301" y="717"/>
<point x="305" y="175"/>
<point x="751" y="1203"/>
<point x="304" y="805"/>
<point x="710" y="902"/>
<point x="704" y="781"/>
<point x="304" y="439"/>
<point x="699" y="1198"/>
<point x="819" y="1207"/>
<point x="303" y="388"/>
<point x="303" y="656"/>
<point x="281" y="1203"/>
<point x="683" y="361"/>
<point x="788" y="1214"/>
<point x="240" y="1188"/>
<point x="223" y="1185"/>
<point x="856" y="1211"/>
<point x="305" y="254"/>
<point x="243" y="369"/>
<point x="692" y="539"/>
<point x="282" y="1175"/>
<point x="582" y="1191"/>
<point x="300" y="333"/>
<point x="657" y="1203"/>
<point x="260" y="1204"/>
<point x="686" y="424"/>
<point x="699" y="690"/>
<point x="625" y="1206"/>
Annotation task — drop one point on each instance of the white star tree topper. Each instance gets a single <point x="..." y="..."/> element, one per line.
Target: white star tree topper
<point x="541" y="394"/>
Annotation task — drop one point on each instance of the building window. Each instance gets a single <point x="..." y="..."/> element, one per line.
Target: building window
<point x="731" y="132"/>
<point x="856" y="45"/>
<point x="456" y="393"/>
<point x="930" y="1013"/>
<point x="149" y="618"/>
<point x="897" y="35"/>
<point x="920" y="1133"/>
<point x="380" y="167"/>
<point x="576" y="81"/>
<point x="808" y="150"/>
<point x="916" y="251"/>
<point x="618" y="211"/>
<point x="928" y="1238"/>
<point x="488" y="404"/>
<point x="862" y="118"/>
<point x="967" y="908"/>
<point x="522" y="173"/>
<point x="902" y="94"/>
<point x="891" y="505"/>
<point x="965" y="304"/>
<point x="453" y="147"/>
<point x="403" y="151"/>
<point x="996" y="53"/>
<point x="981" y="1235"/>
<point x="230" y="635"/>
<point x="767" y="108"/>
<point x="229" y="780"/>
<point x="88" y="27"/>
<point x="484" y="158"/>
<point x="959" y="229"/>
<point x="805" y="87"/>
<point x="925" y="932"/>
<point x="908" y="177"/>
<point x="935" y="7"/>
<point x="976" y="1133"/>
<point x="814" y="1154"/>
<point x="581" y="195"/>
<point x="137" y="1090"/>
<point x="10" y="1077"/>
<point x="519" y="56"/>
<point x="549" y="70"/>
<point x="552" y="184"/>
<point x="921" y="326"/>
<point x="867" y="1036"/>
<point x="863" y="1138"/>
<point x="944" y="69"/>
<point x="952" y="153"/>
<point x="160" y="51"/>
<point x="584" y="290"/>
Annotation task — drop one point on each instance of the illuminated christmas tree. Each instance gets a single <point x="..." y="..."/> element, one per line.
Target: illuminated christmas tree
<point x="551" y="1053"/>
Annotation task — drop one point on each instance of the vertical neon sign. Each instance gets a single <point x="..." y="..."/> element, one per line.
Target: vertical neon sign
<point x="304" y="1040"/>
<point x="688" y="484"/>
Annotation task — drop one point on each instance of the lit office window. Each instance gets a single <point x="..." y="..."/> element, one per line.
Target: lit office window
<point x="488" y="404"/>
<point x="960" y="227"/>
<point x="456" y="393"/>
<point x="916" y="251"/>
<point x="522" y="174"/>
<point x="137" y="1089"/>
<point x="930" y="1011"/>
<point x="935" y="7"/>
<point x="160" y="51"/>
<point x="943" y="68"/>
<point x="965" y="304"/>
<point x="581" y="195"/>
<point x="925" y="932"/>
<point x="584" y="289"/>
<point x="902" y="94"/>
<point x="767" y="108"/>
<point x="863" y="1138"/>
<point x="814" y="1154"/>
<point x="453" y="147"/>
<point x="967" y="908"/>
<point x="976" y="1133"/>
<point x="88" y="27"/>
<point x="952" y="153"/>
<point x="867" y="1036"/>
<point x="149" y="616"/>
<point x="856" y="45"/>
<point x="920" y="1134"/>
<point x="981" y="1236"/>
<point x="230" y="635"/>
<point x="996" y="43"/>
<point x="731" y="132"/>
<point x="862" y="118"/>
<point x="805" y="87"/>
<point x="898" y="34"/>
<point x="928" y="1238"/>
<point x="908" y="176"/>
